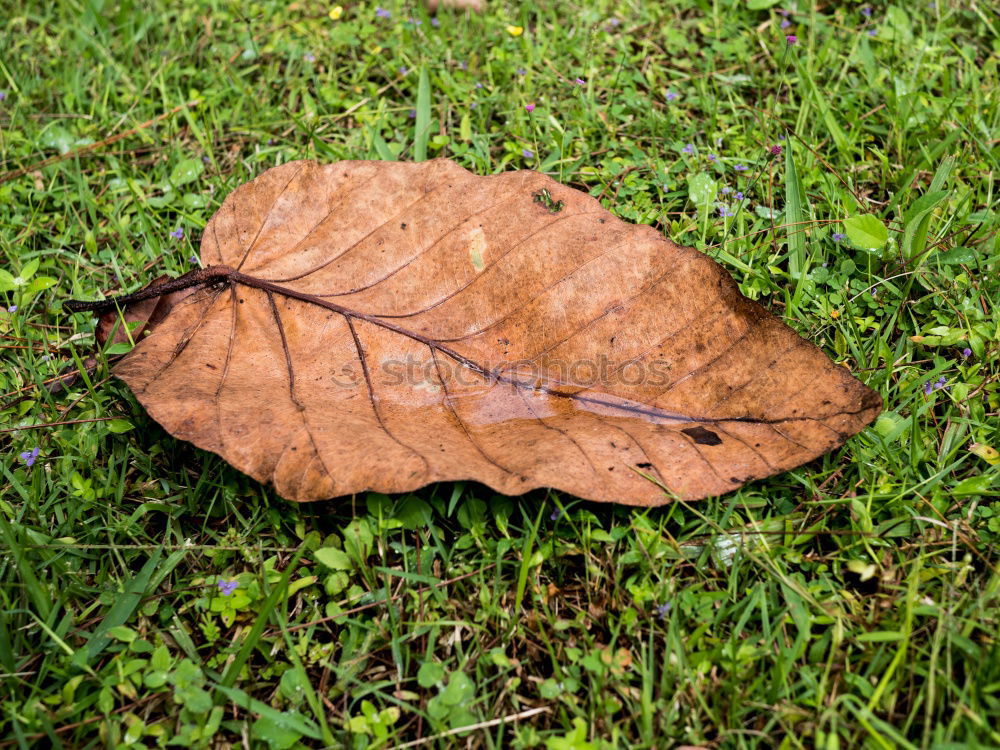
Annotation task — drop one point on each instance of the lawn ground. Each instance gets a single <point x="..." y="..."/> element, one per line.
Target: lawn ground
<point x="853" y="602"/>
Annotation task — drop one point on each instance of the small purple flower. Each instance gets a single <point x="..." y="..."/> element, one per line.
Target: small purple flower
<point x="937" y="385"/>
<point x="478" y="85"/>
<point x="663" y="610"/>
<point x="866" y="12"/>
<point x="193" y="259"/>
<point x="688" y="149"/>
<point x="838" y="236"/>
<point x="781" y="137"/>
<point x="671" y="96"/>
<point x="614" y="23"/>
<point x="177" y="234"/>
<point x="579" y="82"/>
<point x="228" y="587"/>
<point x="463" y="65"/>
<point x="415" y="21"/>
<point x="382" y="13"/>
<point x="412" y="114"/>
<point x="527" y="154"/>
<point x="29" y="457"/>
<point x="556" y="514"/>
<point x="3" y="95"/>
<point x="785" y="23"/>
<point x="775" y="150"/>
<point x="520" y="71"/>
<point x="713" y="157"/>
<point x="402" y="70"/>
<point x="529" y="108"/>
<point x="435" y="22"/>
<point x="791" y="40"/>
<point x="726" y="190"/>
<point x="741" y="167"/>
<point x="309" y="57"/>
<point x="739" y="195"/>
<point x="12" y="309"/>
<point x="724" y="212"/>
<point x="872" y="32"/>
<point x="966" y="353"/>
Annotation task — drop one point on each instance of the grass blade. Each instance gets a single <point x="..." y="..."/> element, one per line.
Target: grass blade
<point x="253" y="637"/>
<point x="122" y="609"/>
<point x="794" y="217"/>
<point x="422" y="125"/>
<point x="32" y="585"/>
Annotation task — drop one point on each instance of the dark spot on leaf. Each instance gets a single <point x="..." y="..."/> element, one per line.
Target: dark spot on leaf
<point x="702" y="436"/>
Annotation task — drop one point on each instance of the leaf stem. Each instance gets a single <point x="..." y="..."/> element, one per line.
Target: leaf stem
<point x="196" y="277"/>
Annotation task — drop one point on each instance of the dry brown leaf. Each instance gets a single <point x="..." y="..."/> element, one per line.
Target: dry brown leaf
<point x="381" y="325"/>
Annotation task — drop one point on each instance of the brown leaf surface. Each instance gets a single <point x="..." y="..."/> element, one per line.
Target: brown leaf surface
<point x="379" y="326"/>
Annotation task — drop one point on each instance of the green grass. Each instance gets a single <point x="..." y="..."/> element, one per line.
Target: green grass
<point x="850" y="603"/>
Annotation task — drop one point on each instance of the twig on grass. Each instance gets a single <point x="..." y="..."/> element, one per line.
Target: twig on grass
<point x="83" y="150"/>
